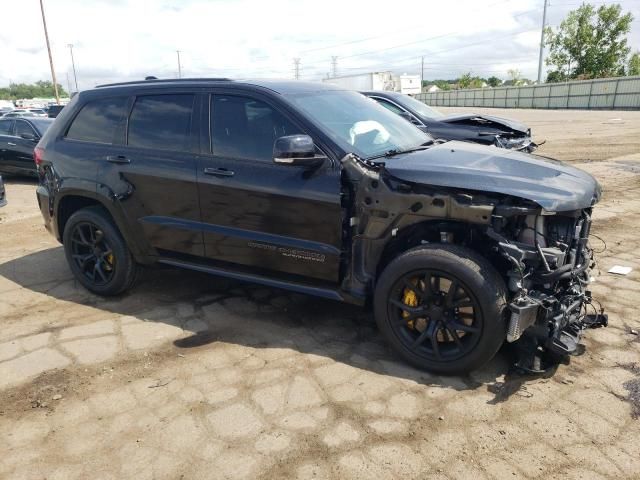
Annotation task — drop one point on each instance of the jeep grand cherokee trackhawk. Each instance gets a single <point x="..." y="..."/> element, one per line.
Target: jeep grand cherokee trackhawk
<point x="307" y="187"/>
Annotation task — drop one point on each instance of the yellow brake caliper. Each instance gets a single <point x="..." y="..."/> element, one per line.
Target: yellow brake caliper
<point x="109" y="259"/>
<point x="410" y="299"/>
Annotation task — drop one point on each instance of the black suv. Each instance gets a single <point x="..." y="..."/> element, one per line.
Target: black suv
<point x="319" y="190"/>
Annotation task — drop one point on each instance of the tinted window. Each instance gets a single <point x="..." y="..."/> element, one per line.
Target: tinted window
<point x="161" y="122"/>
<point x="5" y="127"/>
<point x="23" y="127"/>
<point x="389" y="106"/>
<point x="242" y="127"/>
<point x="98" y="120"/>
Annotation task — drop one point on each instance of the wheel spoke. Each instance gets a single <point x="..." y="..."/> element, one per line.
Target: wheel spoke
<point x="436" y="284"/>
<point x="433" y="336"/>
<point x="428" y="290"/>
<point x="83" y="259"/>
<point x="83" y="239"/>
<point x="454" y="334"/>
<point x="451" y="293"/>
<point x="461" y="303"/>
<point x="98" y="269"/>
<point x="414" y="312"/>
<point x="464" y="328"/>
<point x="421" y="338"/>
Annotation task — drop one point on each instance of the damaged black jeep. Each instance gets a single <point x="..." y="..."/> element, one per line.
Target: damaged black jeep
<point x="457" y="246"/>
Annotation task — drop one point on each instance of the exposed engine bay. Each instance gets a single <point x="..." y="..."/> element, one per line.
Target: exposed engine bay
<point x="543" y="256"/>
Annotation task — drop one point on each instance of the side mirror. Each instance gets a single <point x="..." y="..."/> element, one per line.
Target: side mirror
<point x="28" y="136"/>
<point x="296" y="150"/>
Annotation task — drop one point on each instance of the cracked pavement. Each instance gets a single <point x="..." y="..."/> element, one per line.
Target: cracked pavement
<point x="192" y="376"/>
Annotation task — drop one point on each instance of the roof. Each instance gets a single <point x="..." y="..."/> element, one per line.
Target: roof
<point x="278" y="86"/>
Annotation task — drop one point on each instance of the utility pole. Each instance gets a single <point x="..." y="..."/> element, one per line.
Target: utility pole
<point x="296" y="68"/>
<point x="334" y="66"/>
<point x="46" y="37"/>
<point x="422" y="74"/>
<point x="544" y="23"/>
<point x="179" y="67"/>
<point x="73" y="64"/>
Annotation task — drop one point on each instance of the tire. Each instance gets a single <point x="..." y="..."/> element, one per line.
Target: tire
<point x="465" y="296"/>
<point x="100" y="261"/>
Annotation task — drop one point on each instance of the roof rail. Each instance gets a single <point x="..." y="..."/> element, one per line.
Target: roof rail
<point x="166" y="80"/>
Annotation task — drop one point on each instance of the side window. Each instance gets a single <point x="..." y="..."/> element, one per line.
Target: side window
<point x="5" y="127"/>
<point x="389" y="106"/>
<point x="161" y="122"/>
<point x="98" y="120"/>
<point x="23" y="127"/>
<point x="242" y="127"/>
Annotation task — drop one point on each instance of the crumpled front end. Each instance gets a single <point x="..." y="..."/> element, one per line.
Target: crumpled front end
<point x="516" y="141"/>
<point x="550" y="260"/>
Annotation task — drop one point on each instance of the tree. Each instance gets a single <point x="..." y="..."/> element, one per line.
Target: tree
<point x="589" y="43"/>
<point x="634" y="64"/>
<point x="40" y="89"/>
<point x="468" y="81"/>
<point x="494" y="81"/>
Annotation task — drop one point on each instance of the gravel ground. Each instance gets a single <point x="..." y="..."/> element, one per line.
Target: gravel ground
<point x="191" y="376"/>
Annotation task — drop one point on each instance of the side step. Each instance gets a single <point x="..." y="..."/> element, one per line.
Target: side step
<point x="253" y="278"/>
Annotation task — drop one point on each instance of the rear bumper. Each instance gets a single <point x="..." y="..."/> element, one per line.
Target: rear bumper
<point x="45" y="203"/>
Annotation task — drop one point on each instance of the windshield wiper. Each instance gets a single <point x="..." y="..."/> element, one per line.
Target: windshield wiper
<point x="395" y="151"/>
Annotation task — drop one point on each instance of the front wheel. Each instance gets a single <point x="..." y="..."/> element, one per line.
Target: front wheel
<point x="442" y="308"/>
<point x="97" y="254"/>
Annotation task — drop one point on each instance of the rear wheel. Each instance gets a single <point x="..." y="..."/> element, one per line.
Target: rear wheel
<point x="442" y="307"/>
<point x="97" y="254"/>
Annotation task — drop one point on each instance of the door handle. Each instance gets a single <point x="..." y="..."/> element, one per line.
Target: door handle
<point x="11" y="144"/>
<point x="118" y="159"/>
<point x="219" y="172"/>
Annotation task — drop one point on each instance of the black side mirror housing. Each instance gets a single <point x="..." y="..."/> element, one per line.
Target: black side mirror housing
<point x="296" y="150"/>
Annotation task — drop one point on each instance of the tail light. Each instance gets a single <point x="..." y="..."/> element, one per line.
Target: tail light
<point x="38" y="154"/>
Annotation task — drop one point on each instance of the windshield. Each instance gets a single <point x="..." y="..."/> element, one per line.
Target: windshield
<point x="357" y="123"/>
<point x="417" y="106"/>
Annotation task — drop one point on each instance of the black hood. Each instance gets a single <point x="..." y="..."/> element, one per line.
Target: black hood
<point x="553" y="185"/>
<point x="486" y="121"/>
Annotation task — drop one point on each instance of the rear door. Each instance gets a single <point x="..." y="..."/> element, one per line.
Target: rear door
<point x="154" y="172"/>
<point x="258" y="214"/>
<point x="6" y="137"/>
<point x="25" y="140"/>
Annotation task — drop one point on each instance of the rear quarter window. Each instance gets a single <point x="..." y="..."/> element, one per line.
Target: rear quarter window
<point x="98" y="120"/>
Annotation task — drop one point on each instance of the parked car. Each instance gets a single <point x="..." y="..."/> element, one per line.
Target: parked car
<point x="54" y="110"/>
<point x="19" y="113"/>
<point x="319" y="190"/>
<point x="18" y="137"/>
<point x="471" y="127"/>
<point x="3" y="193"/>
<point x="38" y="112"/>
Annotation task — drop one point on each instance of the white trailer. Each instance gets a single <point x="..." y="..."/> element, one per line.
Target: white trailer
<point x="366" y="81"/>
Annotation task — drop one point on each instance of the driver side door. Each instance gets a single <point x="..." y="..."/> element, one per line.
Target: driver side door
<point x="255" y="213"/>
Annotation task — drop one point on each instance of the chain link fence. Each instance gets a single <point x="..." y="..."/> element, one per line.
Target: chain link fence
<point x="621" y="93"/>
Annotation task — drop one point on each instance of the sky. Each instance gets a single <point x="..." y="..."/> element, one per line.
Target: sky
<point x="119" y="40"/>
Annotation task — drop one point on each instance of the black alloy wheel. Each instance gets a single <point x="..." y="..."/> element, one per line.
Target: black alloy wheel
<point x="435" y="315"/>
<point x="443" y="308"/>
<point x="92" y="253"/>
